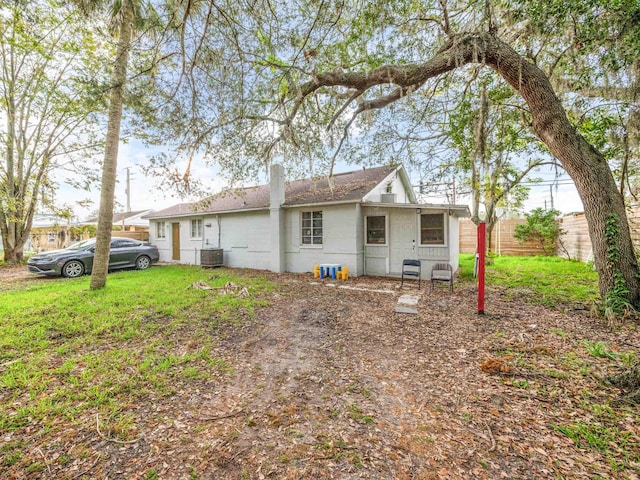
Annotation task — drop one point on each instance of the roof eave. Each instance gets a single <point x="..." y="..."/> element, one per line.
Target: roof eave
<point x="457" y="210"/>
<point x="204" y="214"/>
<point x="404" y="177"/>
<point x="320" y="204"/>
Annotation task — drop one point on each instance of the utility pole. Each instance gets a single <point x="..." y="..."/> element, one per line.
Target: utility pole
<point x="551" y="192"/>
<point x="128" y="190"/>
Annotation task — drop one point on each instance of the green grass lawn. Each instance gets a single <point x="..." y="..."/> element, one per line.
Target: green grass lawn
<point x="548" y="281"/>
<point x="65" y="349"/>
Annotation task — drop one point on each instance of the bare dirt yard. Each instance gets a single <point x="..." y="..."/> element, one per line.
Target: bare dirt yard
<point x="330" y="383"/>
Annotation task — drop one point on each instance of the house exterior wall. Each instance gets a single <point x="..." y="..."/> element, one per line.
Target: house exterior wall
<point x="163" y="243"/>
<point x="243" y="236"/>
<point x="454" y="244"/>
<point x="340" y="239"/>
<point x="190" y="247"/>
<point x="380" y="260"/>
<point x="359" y="226"/>
<point x="246" y="240"/>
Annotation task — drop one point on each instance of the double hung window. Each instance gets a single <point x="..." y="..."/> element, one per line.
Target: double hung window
<point x="196" y="228"/>
<point x="312" y="228"/>
<point x="432" y="229"/>
<point x="376" y="230"/>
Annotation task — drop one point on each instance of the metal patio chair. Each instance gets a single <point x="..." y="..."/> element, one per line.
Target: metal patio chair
<point x="442" y="272"/>
<point x="411" y="268"/>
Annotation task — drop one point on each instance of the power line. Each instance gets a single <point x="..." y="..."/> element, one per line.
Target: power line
<point x="546" y="183"/>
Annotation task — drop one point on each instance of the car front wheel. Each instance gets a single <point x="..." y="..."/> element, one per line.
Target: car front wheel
<point x="143" y="262"/>
<point x="73" y="269"/>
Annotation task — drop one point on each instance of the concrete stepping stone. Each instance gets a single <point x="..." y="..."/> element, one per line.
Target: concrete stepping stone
<point x="409" y="299"/>
<point x="409" y="310"/>
<point x="406" y="304"/>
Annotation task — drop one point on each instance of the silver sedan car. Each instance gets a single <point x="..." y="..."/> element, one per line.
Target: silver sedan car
<point x="77" y="259"/>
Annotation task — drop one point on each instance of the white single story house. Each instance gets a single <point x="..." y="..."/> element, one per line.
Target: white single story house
<point x="367" y="220"/>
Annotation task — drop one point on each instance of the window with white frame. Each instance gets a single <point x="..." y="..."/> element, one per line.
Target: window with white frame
<point x="377" y="230"/>
<point x="312" y="228"/>
<point x="161" y="231"/>
<point x="432" y="229"/>
<point x="196" y="228"/>
<point x="51" y="237"/>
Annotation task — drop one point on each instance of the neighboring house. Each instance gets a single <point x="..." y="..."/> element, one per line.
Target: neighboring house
<point x="128" y="224"/>
<point x="49" y="232"/>
<point x="368" y="220"/>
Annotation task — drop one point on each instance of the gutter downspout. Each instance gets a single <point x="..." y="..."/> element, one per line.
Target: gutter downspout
<point x="363" y="232"/>
<point x="219" y="233"/>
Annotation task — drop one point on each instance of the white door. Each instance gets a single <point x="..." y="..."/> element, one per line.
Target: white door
<point x="402" y="240"/>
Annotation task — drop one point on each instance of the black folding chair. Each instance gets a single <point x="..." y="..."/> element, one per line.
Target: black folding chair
<point x="411" y="268"/>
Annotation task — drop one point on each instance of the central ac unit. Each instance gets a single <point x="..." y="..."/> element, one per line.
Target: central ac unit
<point x="211" y="257"/>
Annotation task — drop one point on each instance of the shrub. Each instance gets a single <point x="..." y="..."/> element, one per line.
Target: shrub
<point x="541" y="227"/>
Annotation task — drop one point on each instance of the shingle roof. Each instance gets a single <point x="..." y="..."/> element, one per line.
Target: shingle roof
<point x="349" y="186"/>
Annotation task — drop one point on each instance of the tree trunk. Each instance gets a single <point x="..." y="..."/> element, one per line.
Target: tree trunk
<point x="13" y="255"/>
<point x="478" y="166"/>
<point x="108" y="183"/>
<point x="15" y="230"/>
<point x="629" y="383"/>
<point x="491" y="224"/>
<point x="12" y="241"/>
<point x="8" y="198"/>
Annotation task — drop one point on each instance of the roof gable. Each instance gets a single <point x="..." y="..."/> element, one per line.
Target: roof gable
<point x="399" y="177"/>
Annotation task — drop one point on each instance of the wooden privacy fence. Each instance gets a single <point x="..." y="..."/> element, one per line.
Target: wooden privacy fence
<point x="502" y="240"/>
<point x="141" y="235"/>
<point x="575" y="242"/>
<point x="576" y="239"/>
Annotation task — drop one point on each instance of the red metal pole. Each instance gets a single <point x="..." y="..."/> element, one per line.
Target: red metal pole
<point x="482" y="247"/>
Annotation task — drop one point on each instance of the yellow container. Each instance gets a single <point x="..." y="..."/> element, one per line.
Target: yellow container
<point x="316" y="271"/>
<point x="345" y="273"/>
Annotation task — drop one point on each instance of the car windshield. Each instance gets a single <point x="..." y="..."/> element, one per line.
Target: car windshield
<point x="82" y="245"/>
